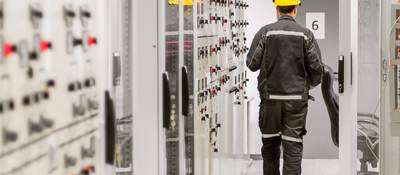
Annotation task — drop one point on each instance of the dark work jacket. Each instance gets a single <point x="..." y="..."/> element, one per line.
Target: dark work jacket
<point x="288" y="57"/>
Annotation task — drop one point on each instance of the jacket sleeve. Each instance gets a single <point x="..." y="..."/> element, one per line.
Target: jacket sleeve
<point x="255" y="54"/>
<point x="314" y="65"/>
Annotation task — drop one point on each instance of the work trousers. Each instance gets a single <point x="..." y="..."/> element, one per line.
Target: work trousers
<point x="283" y="123"/>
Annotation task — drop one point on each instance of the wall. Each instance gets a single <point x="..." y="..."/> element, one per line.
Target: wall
<point x="317" y="143"/>
<point x="369" y="57"/>
<point x="369" y="61"/>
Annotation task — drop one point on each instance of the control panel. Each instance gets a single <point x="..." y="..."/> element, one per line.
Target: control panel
<point x="204" y="83"/>
<point x="394" y="78"/>
<point x="220" y="80"/>
<point x="50" y="87"/>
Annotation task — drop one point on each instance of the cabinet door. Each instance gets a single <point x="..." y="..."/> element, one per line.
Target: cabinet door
<point x="172" y="57"/>
<point x="348" y="85"/>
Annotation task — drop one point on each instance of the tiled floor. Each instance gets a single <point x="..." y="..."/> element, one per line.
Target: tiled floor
<point x="310" y="167"/>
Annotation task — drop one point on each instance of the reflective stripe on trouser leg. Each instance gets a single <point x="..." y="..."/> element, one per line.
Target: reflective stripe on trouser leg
<point x="292" y="139"/>
<point x="267" y="136"/>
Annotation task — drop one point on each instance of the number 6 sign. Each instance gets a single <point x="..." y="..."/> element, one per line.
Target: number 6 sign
<point x="316" y="23"/>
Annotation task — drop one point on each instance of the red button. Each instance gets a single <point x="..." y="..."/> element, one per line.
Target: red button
<point x="8" y="49"/>
<point x="89" y="168"/>
<point x="91" y="40"/>
<point x="45" y="45"/>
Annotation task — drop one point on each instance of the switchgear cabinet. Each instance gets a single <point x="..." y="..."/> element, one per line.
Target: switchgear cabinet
<point x="204" y="81"/>
<point x="51" y="87"/>
<point x="395" y="70"/>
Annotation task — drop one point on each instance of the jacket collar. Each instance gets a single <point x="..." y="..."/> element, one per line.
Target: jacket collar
<point x="286" y="17"/>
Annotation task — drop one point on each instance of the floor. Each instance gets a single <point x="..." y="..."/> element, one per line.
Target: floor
<point x="310" y="167"/>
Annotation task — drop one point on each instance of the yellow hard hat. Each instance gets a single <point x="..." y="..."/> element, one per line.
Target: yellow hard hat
<point x="287" y="2"/>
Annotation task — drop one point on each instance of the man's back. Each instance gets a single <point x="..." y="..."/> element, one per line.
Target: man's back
<point x="288" y="59"/>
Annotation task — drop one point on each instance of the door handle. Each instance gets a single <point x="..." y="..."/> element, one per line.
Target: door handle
<point x="166" y="102"/>
<point x="117" y="72"/>
<point x="341" y="74"/>
<point x="110" y="128"/>
<point x="185" y="92"/>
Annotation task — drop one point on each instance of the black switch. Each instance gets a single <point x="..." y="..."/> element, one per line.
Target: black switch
<point x="69" y="161"/>
<point x="36" y="13"/>
<point x="233" y="90"/>
<point x="87" y="152"/>
<point x="34" y="127"/>
<point x="78" y="85"/>
<point x="86" y="14"/>
<point x="71" y="87"/>
<point x="234" y="35"/>
<point x="224" y="21"/>
<point x="51" y="83"/>
<point x="11" y="105"/>
<point x="26" y="101"/>
<point x="77" y="42"/>
<point x="45" y="95"/>
<point x="90" y="82"/>
<point x="233" y="25"/>
<point x="93" y="104"/>
<point x="78" y="110"/>
<point x="201" y="21"/>
<point x="36" y="97"/>
<point x="30" y="72"/>
<point x="9" y="136"/>
<point x="48" y="123"/>
<point x="87" y="83"/>
<point x="69" y="13"/>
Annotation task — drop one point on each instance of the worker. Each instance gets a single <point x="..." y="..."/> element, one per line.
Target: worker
<point x="289" y="60"/>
